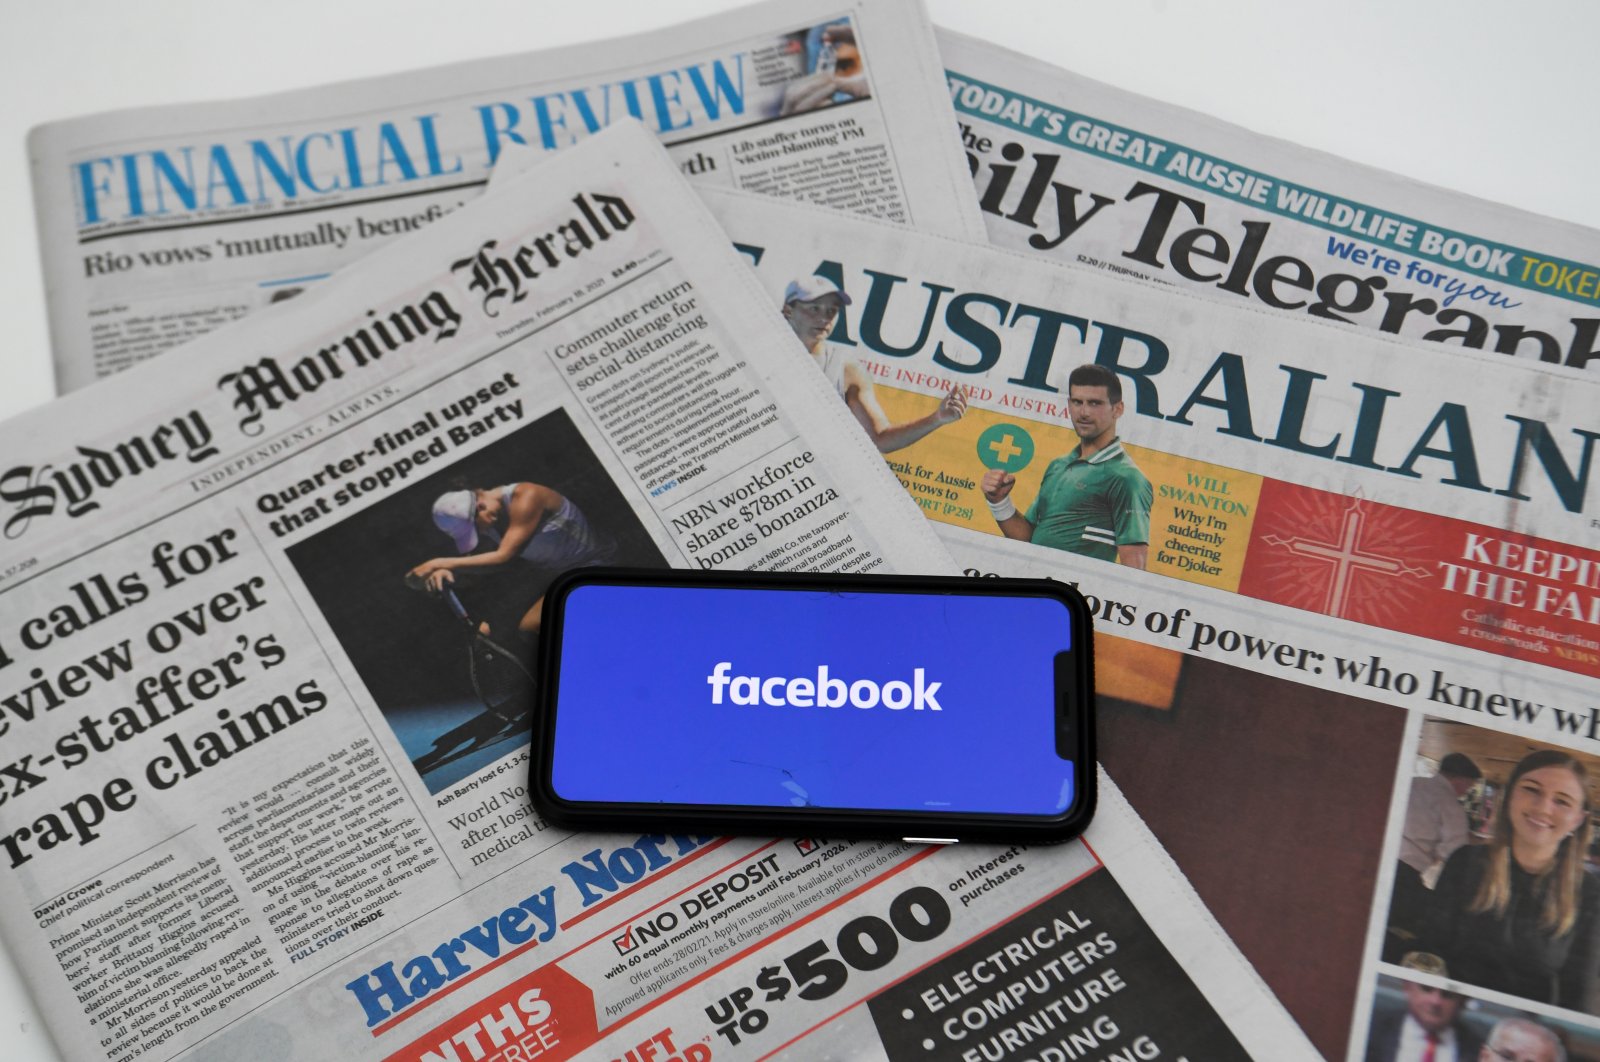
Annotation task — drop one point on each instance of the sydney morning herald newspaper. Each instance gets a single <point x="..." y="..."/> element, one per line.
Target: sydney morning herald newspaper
<point x="1325" y="563"/>
<point x="1085" y="173"/>
<point x="158" y="225"/>
<point x="265" y="795"/>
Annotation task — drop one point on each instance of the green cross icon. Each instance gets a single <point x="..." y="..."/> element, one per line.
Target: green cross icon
<point x="1006" y="447"/>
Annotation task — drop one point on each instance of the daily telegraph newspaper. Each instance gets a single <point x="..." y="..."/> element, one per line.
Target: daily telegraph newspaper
<point x="1082" y="172"/>
<point x="265" y="794"/>
<point x="1323" y="563"/>
<point x="158" y="225"/>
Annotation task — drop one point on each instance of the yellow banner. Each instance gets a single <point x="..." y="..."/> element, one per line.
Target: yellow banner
<point x="1200" y="519"/>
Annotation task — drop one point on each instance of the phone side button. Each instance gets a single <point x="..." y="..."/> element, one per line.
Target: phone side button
<point x="929" y="840"/>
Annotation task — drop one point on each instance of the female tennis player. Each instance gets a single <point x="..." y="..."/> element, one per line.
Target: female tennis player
<point x="494" y="528"/>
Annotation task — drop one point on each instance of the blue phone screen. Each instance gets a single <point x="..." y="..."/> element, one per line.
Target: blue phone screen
<point x="791" y="698"/>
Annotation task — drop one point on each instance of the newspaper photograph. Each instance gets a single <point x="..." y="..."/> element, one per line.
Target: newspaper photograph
<point x="1301" y="541"/>
<point x="269" y="614"/>
<point x="1082" y="172"/>
<point x="159" y="225"/>
<point x="1474" y="1029"/>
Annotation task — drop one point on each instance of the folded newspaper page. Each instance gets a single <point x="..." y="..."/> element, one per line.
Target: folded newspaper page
<point x="264" y="678"/>
<point x="1323" y="562"/>
<point x="158" y="225"/>
<point x="1085" y="173"/>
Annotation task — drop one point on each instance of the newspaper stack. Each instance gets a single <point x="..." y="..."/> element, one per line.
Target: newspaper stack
<point x="1348" y="635"/>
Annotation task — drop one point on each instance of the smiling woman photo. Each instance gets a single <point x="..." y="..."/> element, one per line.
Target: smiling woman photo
<point x="1520" y="914"/>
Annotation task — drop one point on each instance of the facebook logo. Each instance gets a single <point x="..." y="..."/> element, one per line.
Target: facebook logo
<point x="825" y="691"/>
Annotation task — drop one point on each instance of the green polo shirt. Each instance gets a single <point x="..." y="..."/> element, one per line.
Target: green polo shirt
<point x="1092" y="507"/>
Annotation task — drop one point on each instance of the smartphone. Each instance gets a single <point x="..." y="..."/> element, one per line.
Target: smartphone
<point x="931" y="709"/>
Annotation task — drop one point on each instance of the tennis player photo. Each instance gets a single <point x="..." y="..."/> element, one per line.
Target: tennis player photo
<point x="436" y="592"/>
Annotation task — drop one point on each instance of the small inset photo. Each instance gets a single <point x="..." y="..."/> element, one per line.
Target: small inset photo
<point x="1496" y="884"/>
<point x="1414" y="1019"/>
<point x="832" y="69"/>
<point x="436" y="593"/>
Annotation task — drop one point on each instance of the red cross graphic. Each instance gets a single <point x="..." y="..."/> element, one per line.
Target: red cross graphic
<point x="1346" y="556"/>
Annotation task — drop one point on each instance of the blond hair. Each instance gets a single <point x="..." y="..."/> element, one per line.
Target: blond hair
<point x="1562" y="882"/>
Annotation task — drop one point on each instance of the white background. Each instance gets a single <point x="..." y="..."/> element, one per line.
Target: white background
<point x="1496" y="100"/>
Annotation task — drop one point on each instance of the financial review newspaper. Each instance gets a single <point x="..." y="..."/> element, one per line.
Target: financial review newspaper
<point x="1082" y="172"/>
<point x="158" y="225"/>
<point x="1321" y="560"/>
<point x="260" y="804"/>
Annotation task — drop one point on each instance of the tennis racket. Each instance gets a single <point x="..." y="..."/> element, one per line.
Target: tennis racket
<point x="500" y="678"/>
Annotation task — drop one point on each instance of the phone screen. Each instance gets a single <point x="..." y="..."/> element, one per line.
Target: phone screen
<point x="790" y="698"/>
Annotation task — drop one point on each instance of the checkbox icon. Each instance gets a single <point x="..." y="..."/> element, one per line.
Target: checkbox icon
<point x="625" y="943"/>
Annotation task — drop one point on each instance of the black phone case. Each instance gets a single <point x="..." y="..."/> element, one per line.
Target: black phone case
<point x="812" y="822"/>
